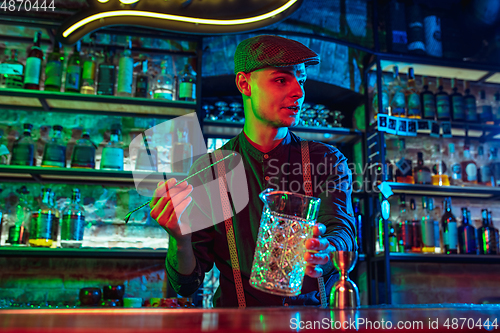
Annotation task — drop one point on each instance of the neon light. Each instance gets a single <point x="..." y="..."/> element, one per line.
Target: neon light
<point x="116" y="13"/>
<point x="103" y="1"/>
<point x="128" y="2"/>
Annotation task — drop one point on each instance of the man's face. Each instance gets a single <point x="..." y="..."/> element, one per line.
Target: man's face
<point x="277" y="94"/>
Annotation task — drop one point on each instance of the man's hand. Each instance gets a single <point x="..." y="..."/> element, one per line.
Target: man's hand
<point x="319" y="253"/>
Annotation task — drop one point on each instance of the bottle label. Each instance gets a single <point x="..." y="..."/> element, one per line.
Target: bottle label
<point x="414" y="105"/>
<point x="73" y="77"/>
<point x="22" y="154"/>
<point x="424" y="177"/>
<point x="163" y="95"/>
<point x="112" y="158"/>
<point x="55" y="155"/>
<point x="471" y="172"/>
<point x="456" y="171"/>
<point x="11" y="69"/>
<point x="429" y="107"/>
<point x="83" y="157"/>
<point x="443" y="106"/>
<point x="88" y="70"/>
<point x="187" y="90"/>
<point x="451" y="236"/>
<point x="470" y="109"/>
<point x="398" y="104"/>
<point x="486" y="114"/>
<point x="53" y="74"/>
<point x="458" y="108"/>
<point x="17" y="234"/>
<point x="72" y="227"/>
<point x="106" y="82"/>
<point x="41" y="226"/>
<point x="428" y="237"/>
<point x="125" y="75"/>
<point x="33" y="66"/>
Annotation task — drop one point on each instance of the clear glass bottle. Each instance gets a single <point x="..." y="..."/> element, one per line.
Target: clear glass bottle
<point x="164" y="83"/>
<point x="42" y="223"/>
<point x="486" y="235"/>
<point x="403" y="228"/>
<point x="4" y="151"/>
<point x="385" y="101"/>
<point x="23" y="150"/>
<point x="469" y="104"/>
<point x="494" y="165"/>
<point x="393" y="240"/>
<point x="34" y="64"/>
<point x="12" y="72"/>
<point x="436" y="217"/>
<point x="126" y="71"/>
<point x="89" y="70"/>
<point x="442" y="102"/>
<point x="142" y="87"/>
<point x="428" y="228"/>
<point x="182" y="152"/>
<point x="457" y="103"/>
<point x="428" y="101"/>
<point x="484" y="109"/>
<point x="112" y="154"/>
<point x="413" y="97"/>
<point x="378" y="227"/>
<point x="358" y="216"/>
<point x="404" y="170"/>
<point x="469" y="167"/>
<point x="466" y="235"/>
<point x="54" y="154"/>
<point x="147" y="157"/>
<point x="416" y="228"/>
<point x="18" y="231"/>
<point x="74" y="71"/>
<point x="484" y="175"/>
<point x="73" y="222"/>
<point x="186" y="81"/>
<point x="422" y="173"/>
<point x="398" y="101"/>
<point x="439" y="177"/>
<point x="56" y="226"/>
<point x="449" y="230"/>
<point x="106" y="75"/>
<point x="54" y="69"/>
<point x="455" y="166"/>
<point x="83" y="155"/>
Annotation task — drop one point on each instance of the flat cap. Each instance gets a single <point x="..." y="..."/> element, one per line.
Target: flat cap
<point x="268" y="50"/>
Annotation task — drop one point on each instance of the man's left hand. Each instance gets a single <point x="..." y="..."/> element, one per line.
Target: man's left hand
<point x="319" y="251"/>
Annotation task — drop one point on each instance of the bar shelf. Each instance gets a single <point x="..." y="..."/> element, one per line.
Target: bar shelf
<point x="84" y="252"/>
<point x="454" y="191"/>
<point x="441" y="258"/>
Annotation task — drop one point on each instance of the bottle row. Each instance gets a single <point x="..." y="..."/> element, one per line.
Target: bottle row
<point x="84" y="152"/>
<point x="97" y="74"/>
<point x="456" y="169"/>
<point x="426" y="232"/>
<point x="406" y="99"/>
<point x="42" y="224"/>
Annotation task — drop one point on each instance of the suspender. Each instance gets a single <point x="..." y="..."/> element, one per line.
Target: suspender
<point x="228" y="221"/>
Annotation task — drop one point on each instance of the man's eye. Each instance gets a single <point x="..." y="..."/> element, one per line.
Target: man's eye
<point x="280" y="80"/>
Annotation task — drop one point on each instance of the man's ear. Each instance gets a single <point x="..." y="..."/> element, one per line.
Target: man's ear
<point x="243" y="84"/>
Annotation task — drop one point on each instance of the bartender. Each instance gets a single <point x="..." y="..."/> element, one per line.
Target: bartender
<point x="270" y="74"/>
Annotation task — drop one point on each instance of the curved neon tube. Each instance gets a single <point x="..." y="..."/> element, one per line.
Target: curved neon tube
<point x="171" y="17"/>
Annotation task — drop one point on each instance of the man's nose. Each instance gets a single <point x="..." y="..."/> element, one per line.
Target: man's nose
<point x="297" y="89"/>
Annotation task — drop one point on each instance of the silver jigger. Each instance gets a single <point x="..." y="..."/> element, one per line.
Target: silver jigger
<point x="345" y="293"/>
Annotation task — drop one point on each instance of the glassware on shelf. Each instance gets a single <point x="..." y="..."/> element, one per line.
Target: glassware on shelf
<point x="17" y="229"/>
<point x="427" y="101"/>
<point x="4" y="151"/>
<point x="469" y="104"/>
<point x="106" y="75"/>
<point x="112" y="154"/>
<point x="449" y="231"/>
<point x="73" y="222"/>
<point x="439" y="177"/>
<point x="164" y="82"/>
<point x="182" y="154"/>
<point x="54" y="154"/>
<point x="421" y="172"/>
<point x="89" y="71"/>
<point x="404" y="170"/>
<point x="187" y="84"/>
<point x="403" y="227"/>
<point x="466" y="235"/>
<point x="12" y="72"/>
<point x="469" y="167"/>
<point x="125" y="71"/>
<point x="484" y="175"/>
<point x="42" y="222"/>
<point x="54" y="69"/>
<point x="416" y="228"/>
<point x="494" y="165"/>
<point x="484" y="109"/>
<point x="428" y="229"/>
<point x="455" y="166"/>
<point x="147" y="157"/>
<point x="74" y="71"/>
<point x="209" y="111"/>
<point x="413" y="97"/>
<point x="337" y="119"/>
<point x="83" y="155"/>
<point x="442" y="102"/>
<point x="456" y="103"/>
<point x="487" y="235"/>
<point x="56" y="226"/>
<point x="34" y="64"/>
<point x="142" y="88"/>
<point x="397" y="90"/>
<point x="385" y="101"/>
<point x="23" y="150"/>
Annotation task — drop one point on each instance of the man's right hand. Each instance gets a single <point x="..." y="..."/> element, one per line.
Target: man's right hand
<point x="168" y="204"/>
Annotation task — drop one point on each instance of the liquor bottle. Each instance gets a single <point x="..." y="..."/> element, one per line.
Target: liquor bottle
<point x="469" y="104"/>
<point x="42" y="222"/>
<point x="393" y="240"/>
<point x="187" y="84"/>
<point x="126" y="71"/>
<point x="18" y="231"/>
<point x="142" y="88"/>
<point x="112" y="154"/>
<point x="422" y="173"/>
<point x="403" y="228"/>
<point x="4" y="151"/>
<point x="56" y="226"/>
<point x="466" y="235"/>
<point x="494" y="165"/>
<point x="147" y="157"/>
<point x="439" y="177"/>
<point x="427" y="101"/>
<point x="416" y="36"/>
<point x="54" y="154"/>
<point x="74" y="71"/>
<point x="496" y="109"/>
<point x="469" y="167"/>
<point x="448" y="233"/>
<point x="486" y="236"/>
<point x="182" y="151"/>
<point x="428" y="228"/>
<point x="164" y="83"/>
<point x="73" y="222"/>
<point x="83" y="155"/>
<point x="358" y="216"/>
<point x="107" y="75"/>
<point x="457" y="103"/>
<point x="442" y="102"/>
<point x="34" y="64"/>
<point x="436" y="217"/>
<point x="484" y="109"/>
<point x="404" y="170"/>
<point x="23" y="150"/>
<point x="54" y="69"/>
<point x="88" y="72"/>
<point x="455" y="167"/>
<point x="484" y="174"/>
<point x="413" y="97"/>
<point x="495" y="232"/>
<point x="12" y="72"/>
<point x="398" y="101"/>
<point x="416" y="228"/>
<point x="378" y="227"/>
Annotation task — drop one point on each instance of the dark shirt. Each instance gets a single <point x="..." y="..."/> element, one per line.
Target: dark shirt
<point x="331" y="182"/>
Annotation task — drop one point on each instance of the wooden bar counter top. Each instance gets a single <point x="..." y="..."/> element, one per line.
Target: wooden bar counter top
<point x="414" y="318"/>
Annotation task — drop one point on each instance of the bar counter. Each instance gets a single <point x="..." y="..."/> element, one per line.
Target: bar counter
<point x="418" y="318"/>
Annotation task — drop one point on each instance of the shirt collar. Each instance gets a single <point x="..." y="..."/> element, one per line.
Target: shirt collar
<point x="257" y="154"/>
